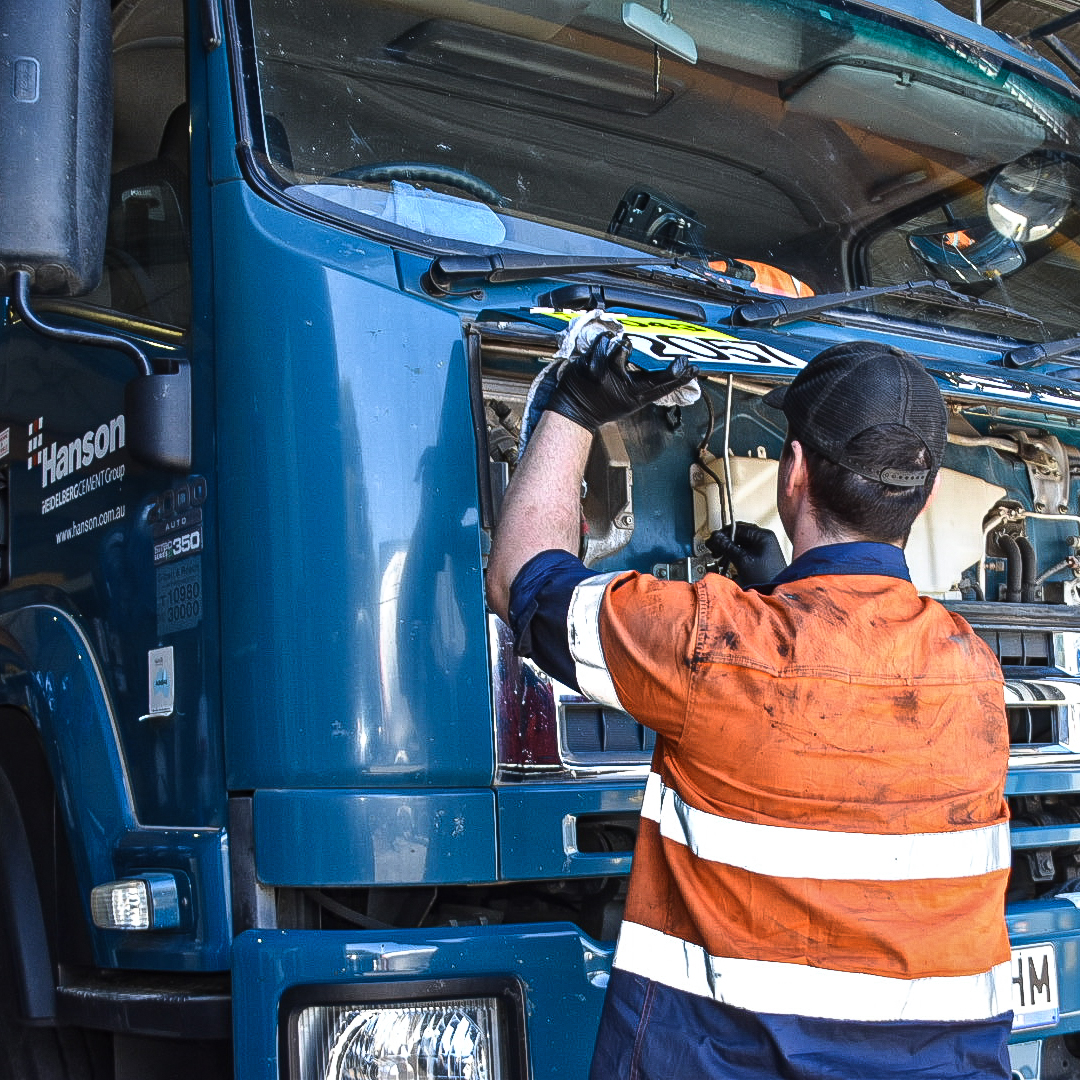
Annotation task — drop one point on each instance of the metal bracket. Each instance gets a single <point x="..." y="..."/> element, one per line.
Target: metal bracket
<point x="691" y="569"/>
<point x="1047" y="462"/>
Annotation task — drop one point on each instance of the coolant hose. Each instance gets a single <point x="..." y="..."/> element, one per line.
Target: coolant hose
<point x="1013" y="566"/>
<point x="1027" y="569"/>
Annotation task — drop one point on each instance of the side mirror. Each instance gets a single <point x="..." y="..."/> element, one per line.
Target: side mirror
<point x="1029" y="198"/>
<point x="56" y="116"/>
<point x="967" y="252"/>
<point x="56" y="60"/>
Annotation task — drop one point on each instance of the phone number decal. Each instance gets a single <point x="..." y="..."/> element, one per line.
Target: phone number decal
<point x="179" y="596"/>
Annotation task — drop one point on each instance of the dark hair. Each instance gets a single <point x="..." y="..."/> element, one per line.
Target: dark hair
<point x="877" y="511"/>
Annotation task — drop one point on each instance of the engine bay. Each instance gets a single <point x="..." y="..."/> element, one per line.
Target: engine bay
<point x="999" y="543"/>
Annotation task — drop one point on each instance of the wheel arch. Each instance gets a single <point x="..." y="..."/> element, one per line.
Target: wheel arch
<point x="61" y="760"/>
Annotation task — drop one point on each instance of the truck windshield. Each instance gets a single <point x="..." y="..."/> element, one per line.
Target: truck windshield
<point x="799" y="146"/>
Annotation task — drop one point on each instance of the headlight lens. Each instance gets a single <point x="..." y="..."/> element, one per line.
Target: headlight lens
<point x="434" y="1040"/>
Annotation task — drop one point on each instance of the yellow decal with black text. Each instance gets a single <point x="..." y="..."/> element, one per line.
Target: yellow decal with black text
<point x="666" y="339"/>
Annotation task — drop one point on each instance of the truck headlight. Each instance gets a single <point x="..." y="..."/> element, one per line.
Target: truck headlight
<point x="459" y="1038"/>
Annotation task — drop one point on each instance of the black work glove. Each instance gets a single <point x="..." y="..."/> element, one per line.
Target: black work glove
<point x="754" y="552"/>
<point x="598" y="387"/>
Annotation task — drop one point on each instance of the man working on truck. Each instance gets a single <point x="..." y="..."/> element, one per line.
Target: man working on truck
<point x="818" y="883"/>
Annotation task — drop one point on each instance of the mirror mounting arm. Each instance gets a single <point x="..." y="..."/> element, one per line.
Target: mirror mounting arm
<point x="157" y="406"/>
<point x="20" y="301"/>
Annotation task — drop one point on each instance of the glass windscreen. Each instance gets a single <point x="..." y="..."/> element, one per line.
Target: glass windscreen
<point x="795" y="147"/>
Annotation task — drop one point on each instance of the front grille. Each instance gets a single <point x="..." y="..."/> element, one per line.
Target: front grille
<point x="1021" y="648"/>
<point x="1033" y="726"/>
<point x="1042" y="693"/>
<point x="1040" y="712"/>
<point x="593" y="734"/>
<point x="1039" y="650"/>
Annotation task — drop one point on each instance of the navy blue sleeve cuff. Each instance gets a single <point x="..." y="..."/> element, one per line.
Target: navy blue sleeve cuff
<point x="539" y="603"/>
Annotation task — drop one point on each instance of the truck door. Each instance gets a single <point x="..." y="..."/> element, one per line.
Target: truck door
<point x="91" y="513"/>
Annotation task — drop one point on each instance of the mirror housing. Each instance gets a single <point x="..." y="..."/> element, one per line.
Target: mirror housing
<point x="56" y="116"/>
<point x="1030" y="197"/>
<point x="967" y="252"/>
<point x="660" y="31"/>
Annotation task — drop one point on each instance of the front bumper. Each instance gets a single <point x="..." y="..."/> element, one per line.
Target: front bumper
<point x="560" y="974"/>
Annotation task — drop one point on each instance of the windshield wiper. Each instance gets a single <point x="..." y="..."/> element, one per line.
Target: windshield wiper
<point x="789" y="309"/>
<point x="586" y="297"/>
<point x="690" y="275"/>
<point x="460" y="273"/>
<point x="1030" y="355"/>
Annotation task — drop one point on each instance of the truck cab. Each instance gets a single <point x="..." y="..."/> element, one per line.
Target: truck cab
<point x="281" y="800"/>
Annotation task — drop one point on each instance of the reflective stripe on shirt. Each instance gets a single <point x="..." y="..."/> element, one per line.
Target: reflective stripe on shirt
<point x="782" y="988"/>
<point x="825" y="855"/>
<point x="583" y="624"/>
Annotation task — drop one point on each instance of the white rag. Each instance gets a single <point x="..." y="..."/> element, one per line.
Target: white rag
<point x="576" y="340"/>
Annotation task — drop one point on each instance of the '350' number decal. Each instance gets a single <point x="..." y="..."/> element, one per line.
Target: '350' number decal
<point x="176" y="547"/>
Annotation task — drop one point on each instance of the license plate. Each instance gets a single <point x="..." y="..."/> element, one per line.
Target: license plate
<point x="1035" y="987"/>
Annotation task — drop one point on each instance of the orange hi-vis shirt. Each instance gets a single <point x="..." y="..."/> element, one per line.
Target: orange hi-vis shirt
<point x="824" y="831"/>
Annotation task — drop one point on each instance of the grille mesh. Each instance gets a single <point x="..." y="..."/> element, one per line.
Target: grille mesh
<point x="594" y="733"/>
<point x="1021" y="648"/>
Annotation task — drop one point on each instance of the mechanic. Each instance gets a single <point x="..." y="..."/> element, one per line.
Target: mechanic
<point x="818" y="883"/>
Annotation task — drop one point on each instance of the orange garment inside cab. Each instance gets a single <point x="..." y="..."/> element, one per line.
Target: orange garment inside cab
<point x="769" y="279"/>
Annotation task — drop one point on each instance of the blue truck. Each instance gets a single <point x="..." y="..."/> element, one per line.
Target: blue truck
<point x="277" y="797"/>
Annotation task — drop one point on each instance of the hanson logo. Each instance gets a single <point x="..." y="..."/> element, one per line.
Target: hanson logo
<point x="65" y="459"/>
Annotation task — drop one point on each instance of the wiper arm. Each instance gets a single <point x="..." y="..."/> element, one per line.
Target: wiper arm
<point x="784" y="309"/>
<point x="460" y="273"/>
<point x="719" y="285"/>
<point x="686" y="277"/>
<point x="585" y="297"/>
<point x="1030" y="355"/>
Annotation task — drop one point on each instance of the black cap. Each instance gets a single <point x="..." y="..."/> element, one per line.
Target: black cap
<point x="851" y="388"/>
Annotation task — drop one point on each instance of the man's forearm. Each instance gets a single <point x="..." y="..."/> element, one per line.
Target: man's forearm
<point x="541" y="509"/>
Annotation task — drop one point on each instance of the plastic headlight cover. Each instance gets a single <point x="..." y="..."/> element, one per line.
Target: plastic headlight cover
<point x="455" y="1039"/>
<point x="121" y="905"/>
